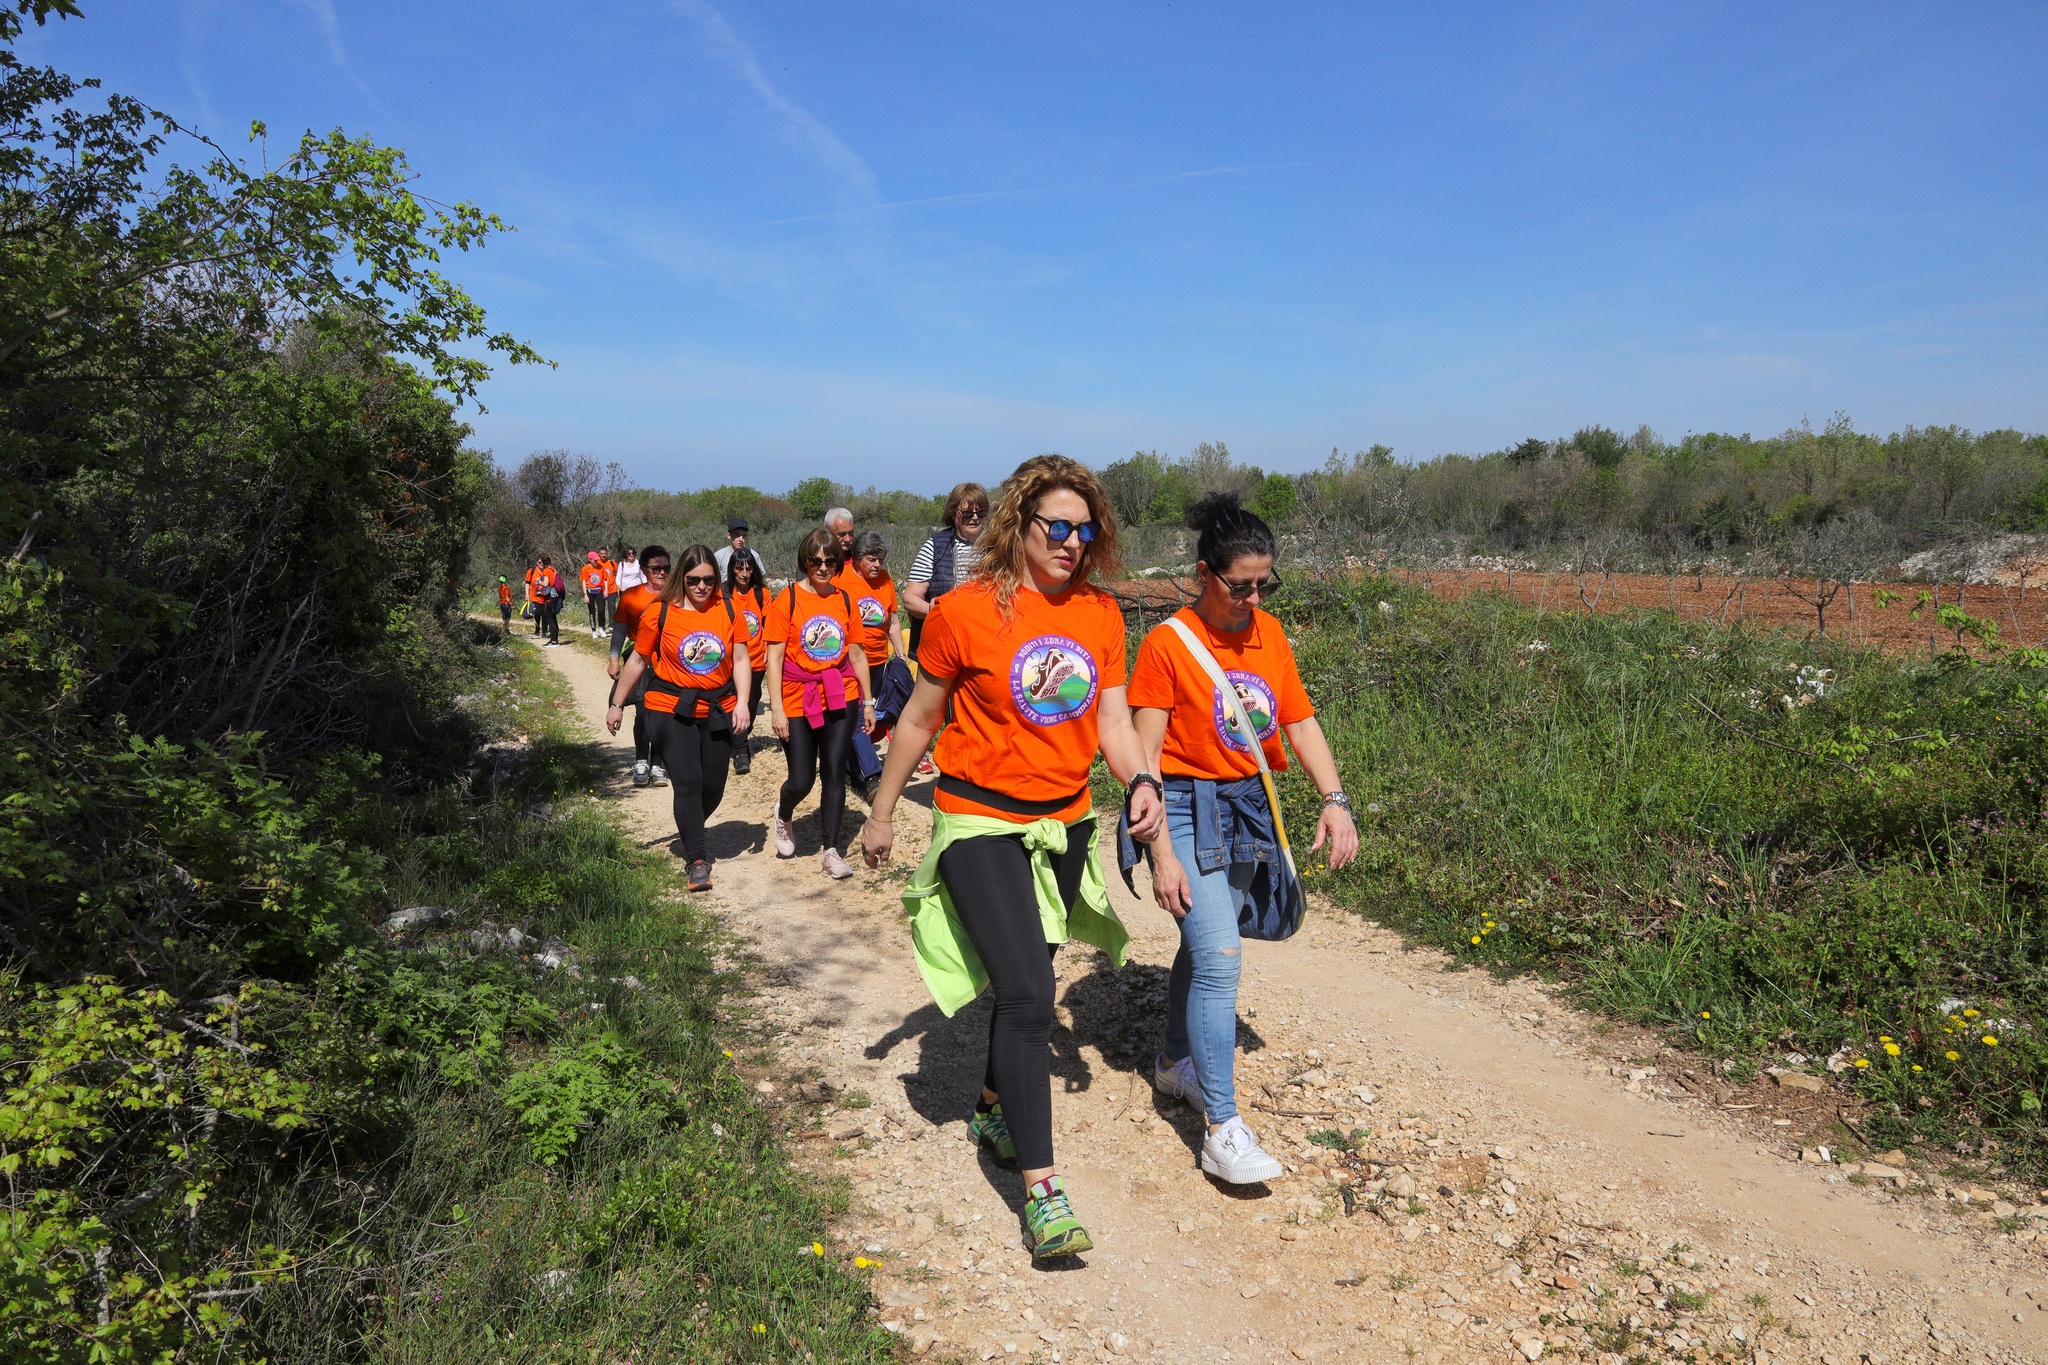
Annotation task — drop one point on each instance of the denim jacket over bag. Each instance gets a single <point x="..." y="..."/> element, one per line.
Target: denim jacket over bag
<point x="1233" y="824"/>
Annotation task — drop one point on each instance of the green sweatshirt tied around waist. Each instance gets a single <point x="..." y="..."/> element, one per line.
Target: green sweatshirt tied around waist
<point x="946" y="958"/>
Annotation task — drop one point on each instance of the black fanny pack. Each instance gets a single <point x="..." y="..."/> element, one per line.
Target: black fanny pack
<point x="1002" y="801"/>
<point x="688" y="697"/>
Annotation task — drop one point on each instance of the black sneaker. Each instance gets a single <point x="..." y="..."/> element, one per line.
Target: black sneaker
<point x="742" y="756"/>
<point x="700" y="874"/>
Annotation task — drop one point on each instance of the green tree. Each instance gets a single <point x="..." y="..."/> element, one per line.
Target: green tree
<point x="1276" y="499"/>
<point x="812" y="498"/>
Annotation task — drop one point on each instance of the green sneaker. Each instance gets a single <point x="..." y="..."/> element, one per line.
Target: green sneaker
<point x="1050" y="1220"/>
<point x="993" y="1134"/>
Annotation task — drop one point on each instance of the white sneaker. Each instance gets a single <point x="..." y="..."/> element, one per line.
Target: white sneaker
<point x="785" y="838"/>
<point x="1234" y="1156"/>
<point x="1178" y="1081"/>
<point x="836" y="866"/>
<point x="643" y="772"/>
<point x="658" y="775"/>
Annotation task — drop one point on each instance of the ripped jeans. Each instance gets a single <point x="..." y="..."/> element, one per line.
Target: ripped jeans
<point x="1201" y="997"/>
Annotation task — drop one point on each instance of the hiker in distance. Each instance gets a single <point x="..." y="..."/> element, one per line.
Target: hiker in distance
<point x="1024" y="665"/>
<point x="1222" y="856"/>
<point x="695" y="646"/>
<point x="744" y="590"/>
<point x="819" y="689"/>
<point x="633" y="602"/>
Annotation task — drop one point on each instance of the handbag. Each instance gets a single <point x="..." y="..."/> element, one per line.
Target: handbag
<point x="1288" y="895"/>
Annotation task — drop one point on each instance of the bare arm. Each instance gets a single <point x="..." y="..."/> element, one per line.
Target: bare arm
<point x="897" y="649"/>
<point x="628" y="679"/>
<point x="742" y="684"/>
<point x="865" y="676"/>
<point x="914" y="599"/>
<point x="1334" y="824"/>
<point x="921" y="718"/>
<point x="1125" y="754"/>
<point x="1170" y="889"/>
<point x="776" y="720"/>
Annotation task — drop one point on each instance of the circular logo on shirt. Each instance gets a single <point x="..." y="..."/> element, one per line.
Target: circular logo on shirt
<point x="753" y="623"/>
<point x="871" y="612"/>
<point x="700" y="652"/>
<point x="1052" y="680"/>
<point x="1257" y="700"/>
<point x="823" y="638"/>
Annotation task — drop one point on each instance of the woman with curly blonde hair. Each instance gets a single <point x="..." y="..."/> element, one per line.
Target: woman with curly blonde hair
<point x="1029" y="656"/>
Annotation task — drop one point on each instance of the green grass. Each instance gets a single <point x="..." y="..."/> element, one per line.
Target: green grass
<point x="1701" y="830"/>
<point x="598" y="1186"/>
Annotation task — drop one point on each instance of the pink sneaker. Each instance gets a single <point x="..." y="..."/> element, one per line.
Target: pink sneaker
<point x="785" y="839"/>
<point x="836" y="866"/>
<point x="925" y="766"/>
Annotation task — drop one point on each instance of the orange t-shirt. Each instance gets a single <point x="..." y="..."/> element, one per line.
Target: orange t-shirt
<point x="593" y="577"/>
<point x="695" y="650"/>
<point x="504" y="594"/>
<point x="1202" y="738"/>
<point x="533" y="584"/>
<point x="633" y="604"/>
<point x="608" y="570"/>
<point x="814" y="632"/>
<point x="874" y="606"/>
<point x="752" y="607"/>
<point x="1022" y="692"/>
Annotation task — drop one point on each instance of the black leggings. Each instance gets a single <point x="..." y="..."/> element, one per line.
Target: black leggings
<point x="697" y="759"/>
<point x="810" y="751"/>
<point x="989" y="879"/>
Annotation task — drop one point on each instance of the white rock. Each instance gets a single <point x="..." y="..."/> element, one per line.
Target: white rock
<point x="1530" y="1347"/>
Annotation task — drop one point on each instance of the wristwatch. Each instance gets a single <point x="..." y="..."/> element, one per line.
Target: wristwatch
<point x="1337" y="798"/>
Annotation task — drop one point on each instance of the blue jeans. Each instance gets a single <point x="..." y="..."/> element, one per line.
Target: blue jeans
<point x="1201" y="996"/>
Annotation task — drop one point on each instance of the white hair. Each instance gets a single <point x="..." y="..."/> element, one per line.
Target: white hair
<point x="838" y="512"/>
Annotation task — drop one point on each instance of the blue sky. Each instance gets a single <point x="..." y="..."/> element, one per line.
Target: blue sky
<point x="904" y="243"/>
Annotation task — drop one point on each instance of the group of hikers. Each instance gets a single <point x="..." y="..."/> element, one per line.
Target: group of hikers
<point x="602" y="578"/>
<point x="1021" y="679"/>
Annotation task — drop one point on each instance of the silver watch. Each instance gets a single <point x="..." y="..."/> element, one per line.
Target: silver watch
<point x="1337" y="798"/>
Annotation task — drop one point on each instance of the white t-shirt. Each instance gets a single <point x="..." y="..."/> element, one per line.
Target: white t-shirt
<point x="724" y="558"/>
<point x="630" y="574"/>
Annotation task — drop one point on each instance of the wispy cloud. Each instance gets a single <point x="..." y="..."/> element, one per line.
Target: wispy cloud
<point x="1231" y="170"/>
<point x="190" y="63"/>
<point x="800" y="128"/>
<point x="329" y="25"/>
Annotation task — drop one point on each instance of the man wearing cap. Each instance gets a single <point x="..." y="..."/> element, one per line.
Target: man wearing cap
<point x="736" y="532"/>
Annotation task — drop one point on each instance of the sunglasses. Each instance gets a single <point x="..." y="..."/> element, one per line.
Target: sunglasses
<point x="820" y="562"/>
<point x="971" y="514"/>
<point x="1057" y="531"/>
<point x="1240" y="591"/>
<point x="704" y="580"/>
<point x="655" y="567"/>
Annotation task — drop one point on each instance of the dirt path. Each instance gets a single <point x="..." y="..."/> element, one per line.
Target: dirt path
<point x="1558" y="1204"/>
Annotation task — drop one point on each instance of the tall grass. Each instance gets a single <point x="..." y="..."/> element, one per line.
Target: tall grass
<point x="576" y="1171"/>
<point x="1764" y="846"/>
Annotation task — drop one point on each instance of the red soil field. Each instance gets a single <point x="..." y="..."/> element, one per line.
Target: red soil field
<point x="2020" y="610"/>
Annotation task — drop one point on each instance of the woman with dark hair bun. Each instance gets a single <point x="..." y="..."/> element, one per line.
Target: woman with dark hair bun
<point x="749" y="598"/>
<point x="1220" y="826"/>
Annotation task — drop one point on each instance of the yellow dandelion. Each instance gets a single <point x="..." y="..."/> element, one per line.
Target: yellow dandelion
<point x="817" y="1248"/>
<point x="1706" y="1014"/>
<point x="761" y="1329"/>
<point x="1916" y="1068"/>
<point x="1953" y="1056"/>
<point x="861" y="1263"/>
<point x="1475" y="938"/>
<point x="1990" y="1041"/>
<point x="1891" y="1049"/>
<point x="1863" y="1061"/>
<point x="1969" y="1014"/>
<point x="1884" y="1038"/>
<point x="728" y="1052"/>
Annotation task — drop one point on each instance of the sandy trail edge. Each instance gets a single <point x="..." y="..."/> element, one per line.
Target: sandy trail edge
<point x="1182" y="1263"/>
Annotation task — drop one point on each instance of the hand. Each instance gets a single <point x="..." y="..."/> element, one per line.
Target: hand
<point x="1170" y="889"/>
<point x="877" y="841"/>
<point x="613" y="717"/>
<point x="741" y="718"/>
<point x="614" y="666"/>
<point x="1147" y="814"/>
<point x="1336" y="826"/>
<point x="779" y="723"/>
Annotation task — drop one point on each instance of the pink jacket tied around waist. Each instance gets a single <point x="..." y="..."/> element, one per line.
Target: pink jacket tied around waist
<point x="816" y="681"/>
